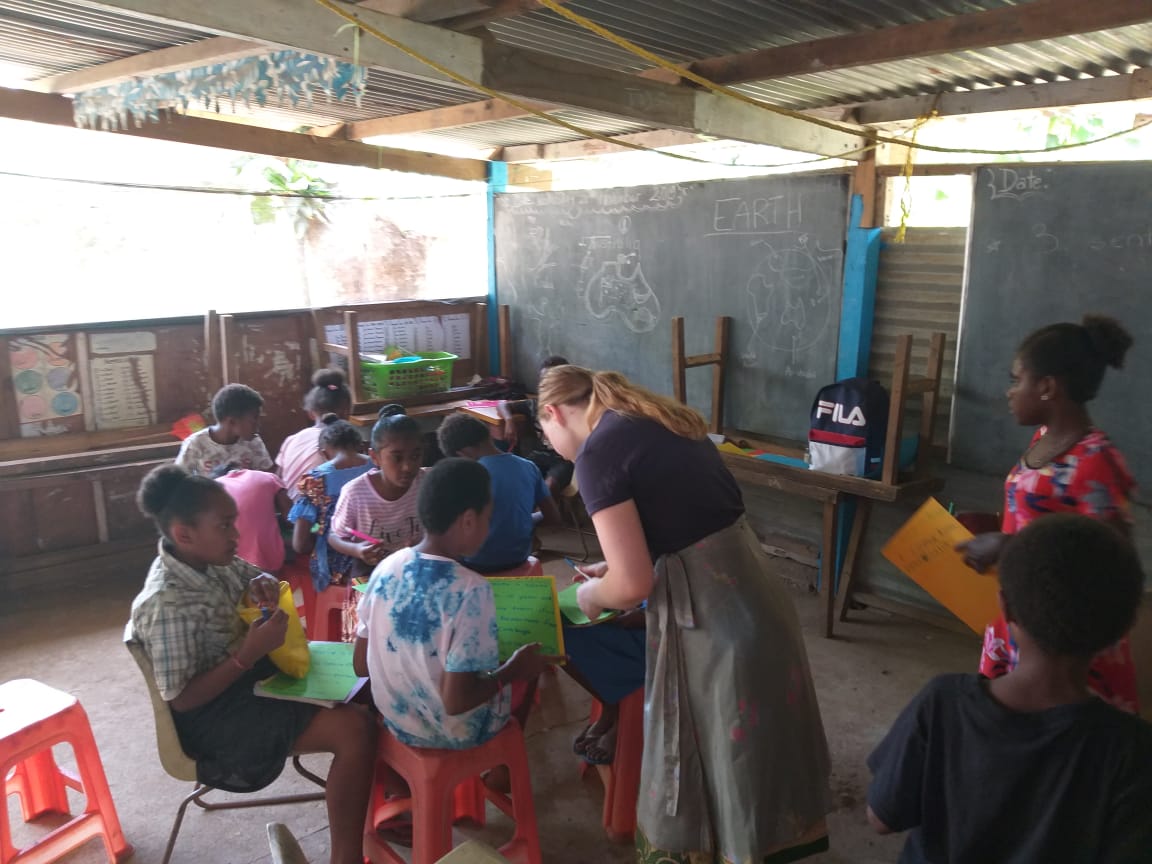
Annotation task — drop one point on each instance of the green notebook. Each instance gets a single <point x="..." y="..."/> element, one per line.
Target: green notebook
<point x="329" y="682"/>
<point x="570" y="607"/>
<point x="526" y="612"/>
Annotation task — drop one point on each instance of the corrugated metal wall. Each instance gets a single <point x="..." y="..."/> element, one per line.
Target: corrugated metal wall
<point x="918" y="292"/>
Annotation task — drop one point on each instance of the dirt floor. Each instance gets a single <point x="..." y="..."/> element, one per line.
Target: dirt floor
<point x="72" y="641"/>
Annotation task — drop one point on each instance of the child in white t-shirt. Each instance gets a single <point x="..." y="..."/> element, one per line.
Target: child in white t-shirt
<point x="233" y="440"/>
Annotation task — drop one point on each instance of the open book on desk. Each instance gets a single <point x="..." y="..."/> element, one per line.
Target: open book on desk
<point x="330" y="680"/>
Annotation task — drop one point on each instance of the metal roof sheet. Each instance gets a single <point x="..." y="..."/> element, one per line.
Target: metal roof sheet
<point x="45" y="37"/>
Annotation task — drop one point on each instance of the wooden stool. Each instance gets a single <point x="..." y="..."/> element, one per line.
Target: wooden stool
<point x="33" y="718"/>
<point x="621" y="779"/>
<point x="445" y="785"/>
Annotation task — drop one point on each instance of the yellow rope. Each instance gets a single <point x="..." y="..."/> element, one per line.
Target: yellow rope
<point x="689" y="75"/>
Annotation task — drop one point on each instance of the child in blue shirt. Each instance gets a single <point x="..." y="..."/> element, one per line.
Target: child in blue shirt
<point x="518" y="489"/>
<point x="1030" y="767"/>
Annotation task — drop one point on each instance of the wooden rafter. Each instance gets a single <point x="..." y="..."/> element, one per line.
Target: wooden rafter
<point x="1026" y="22"/>
<point x="529" y="74"/>
<point x="216" y="49"/>
<point x="56" y="110"/>
<point x="451" y="117"/>
<point x="593" y="147"/>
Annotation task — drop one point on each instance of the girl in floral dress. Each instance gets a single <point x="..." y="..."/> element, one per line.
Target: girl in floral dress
<point x="1070" y="467"/>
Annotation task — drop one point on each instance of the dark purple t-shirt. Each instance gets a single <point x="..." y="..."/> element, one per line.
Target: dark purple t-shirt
<point x="681" y="487"/>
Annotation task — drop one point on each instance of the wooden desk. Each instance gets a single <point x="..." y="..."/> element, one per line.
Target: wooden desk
<point x="434" y="409"/>
<point x="830" y="490"/>
<point x="491" y="416"/>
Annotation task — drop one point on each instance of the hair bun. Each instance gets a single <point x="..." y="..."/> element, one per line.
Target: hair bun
<point x="392" y="410"/>
<point x="331" y="379"/>
<point x="159" y="487"/>
<point x="330" y="418"/>
<point x="1108" y="338"/>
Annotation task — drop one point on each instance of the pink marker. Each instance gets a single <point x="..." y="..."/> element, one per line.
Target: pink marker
<point x="362" y="536"/>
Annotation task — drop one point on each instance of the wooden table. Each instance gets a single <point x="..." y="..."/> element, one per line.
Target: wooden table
<point x="433" y="409"/>
<point x="830" y="490"/>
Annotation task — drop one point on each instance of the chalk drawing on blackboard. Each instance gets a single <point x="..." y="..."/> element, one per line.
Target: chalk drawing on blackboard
<point x="546" y="317"/>
<point x="994" y="246"/>
<point x="619" y="287"/>
<point x="538" y="267"/>
<point x="1049" y="243"/>
<point x="789" y="301"/>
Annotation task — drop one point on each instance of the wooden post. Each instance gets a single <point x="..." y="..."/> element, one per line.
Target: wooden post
<point x="352" y="339"/>
<point x="891" y="465"/>
<point x="229" y="350"/>
<point x="212" y="352"/>
<point x="828" y="564"/>
<point x="505" y="328"/>
<point x="852" y="554"/>
<point x="679" y="378"/>
<point x="864" y="185"/>
<point x="480" y="352"/>
<point x="932" y="397"/>
<point x="722" y="327"/>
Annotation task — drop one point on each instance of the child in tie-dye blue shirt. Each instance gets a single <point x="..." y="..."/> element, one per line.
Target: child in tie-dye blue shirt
<point x="427" y="632"/>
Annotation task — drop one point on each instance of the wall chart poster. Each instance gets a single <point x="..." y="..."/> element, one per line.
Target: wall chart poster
<point x="124" y="391"/>
<point x="47" y="385"/>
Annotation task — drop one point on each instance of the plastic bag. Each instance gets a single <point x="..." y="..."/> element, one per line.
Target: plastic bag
<point x="291" y="658"/>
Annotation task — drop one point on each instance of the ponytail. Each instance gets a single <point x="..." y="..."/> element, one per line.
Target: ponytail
<point x="611" y="391"/>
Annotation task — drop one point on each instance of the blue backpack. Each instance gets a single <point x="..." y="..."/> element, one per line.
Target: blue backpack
<point x="849" y="424"/>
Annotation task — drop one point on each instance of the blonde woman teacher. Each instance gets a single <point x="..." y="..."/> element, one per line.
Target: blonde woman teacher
<point x="736" y="764"/>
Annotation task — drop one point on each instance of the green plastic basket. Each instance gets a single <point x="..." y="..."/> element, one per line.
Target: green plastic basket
<point x="432" y="373"/>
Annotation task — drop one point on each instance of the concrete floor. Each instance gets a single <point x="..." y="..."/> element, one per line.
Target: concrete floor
<point x="72" y="642"/>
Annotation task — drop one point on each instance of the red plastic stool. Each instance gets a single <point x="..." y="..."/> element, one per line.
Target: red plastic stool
<point x="531" y="567"/>
<point x="446" y="786"/>
<point x="621" y="779"/>
<point x="33" y="718"/>
<point x="326" y="620"/>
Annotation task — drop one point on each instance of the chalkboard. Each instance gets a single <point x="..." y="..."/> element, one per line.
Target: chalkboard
<point x="1049" y="244"/>
<point x="597" y="275"/>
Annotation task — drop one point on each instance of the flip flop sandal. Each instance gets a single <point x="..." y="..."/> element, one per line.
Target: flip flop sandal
<point x="600" y="760"/>
<point x="580" y="742"/>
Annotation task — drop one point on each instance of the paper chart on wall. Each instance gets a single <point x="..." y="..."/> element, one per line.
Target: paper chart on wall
<point x="404" y="334"/>
<point x="123" y="391"/>
<point x="429" y="334"/>
<point x="458" y="334"/>
<point x="45" y="380"/>
<point x="142" y="341"/>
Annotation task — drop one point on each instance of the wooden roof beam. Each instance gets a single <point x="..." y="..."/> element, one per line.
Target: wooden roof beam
<point x="592" y="147"/>
<point x="1114" y="88"/>
<point x="528" y="74"/>
<point x="206" y="52"/>
<point x="1026" y="22"/>
<point x="450" y="117"/>
<point x="56" y="110"/>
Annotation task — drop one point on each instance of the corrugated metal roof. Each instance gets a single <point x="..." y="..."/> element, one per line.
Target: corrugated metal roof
<point x="684" y="30"/>
<point x="44" y="37"/>
<point x="47" y="38"/>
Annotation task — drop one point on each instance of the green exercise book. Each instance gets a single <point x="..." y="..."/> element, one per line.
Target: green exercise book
<point x="527" y="611"/>
<point x="329" y="682"/>
<point x="570" y="607"/>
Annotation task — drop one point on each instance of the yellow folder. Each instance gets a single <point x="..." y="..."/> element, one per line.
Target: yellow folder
<point x="924" y="549"/>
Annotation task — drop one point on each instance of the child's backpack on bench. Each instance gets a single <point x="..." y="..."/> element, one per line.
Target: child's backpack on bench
<point x="849" y="424"/>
